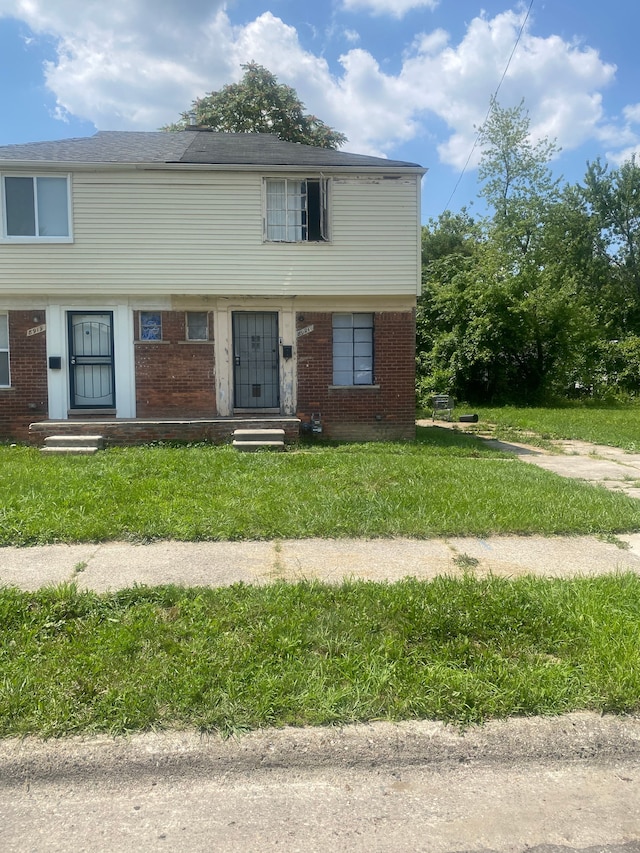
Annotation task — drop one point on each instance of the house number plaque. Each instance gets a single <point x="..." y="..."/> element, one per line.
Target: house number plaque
<point x="36" y="330"/>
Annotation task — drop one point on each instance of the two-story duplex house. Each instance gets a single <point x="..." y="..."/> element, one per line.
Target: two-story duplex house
<point x="154" y="280"/>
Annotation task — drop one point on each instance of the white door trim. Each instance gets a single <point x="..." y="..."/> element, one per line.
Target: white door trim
<point x="223" y="343"/>
<point x="124" y="363"/>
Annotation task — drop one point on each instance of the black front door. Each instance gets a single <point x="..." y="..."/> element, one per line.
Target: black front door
<point x="256" y="375"/>
<point x="91" y="376"/>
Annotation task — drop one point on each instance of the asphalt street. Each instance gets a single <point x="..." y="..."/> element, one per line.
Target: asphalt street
<point x="546" y="784"/>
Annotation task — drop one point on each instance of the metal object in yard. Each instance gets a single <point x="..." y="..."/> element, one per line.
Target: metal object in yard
<point x="442" y="407"/>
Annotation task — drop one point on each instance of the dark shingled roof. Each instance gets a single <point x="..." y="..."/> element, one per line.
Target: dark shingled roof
<point x="264" y="149"/>
<point x="104" y="147"/>
<point x="190" y="146"/>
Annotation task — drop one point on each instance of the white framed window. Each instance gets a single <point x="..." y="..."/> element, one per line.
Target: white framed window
<point x="197" y="325"/>
<point x="150" y="326"/>
<point x="36" y="208"/>
<point x="5" y="379"/>
<point x="353" y="349"/>
<point x="296" y="210"/>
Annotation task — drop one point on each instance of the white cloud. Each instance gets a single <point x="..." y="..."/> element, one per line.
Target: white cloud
<point x="616" y="158"/>
<point x="396" y="8"/>
<point x="622" y="138"/>
<point x="136" y="64"/>
<point x="430" y="43"/>
<point x="559" y="82"/>
<point x="130" y="65"/>
<point x="632" y="113"/>
<point x="143" y="17"/>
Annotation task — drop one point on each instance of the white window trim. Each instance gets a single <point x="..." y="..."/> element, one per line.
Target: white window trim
<point x="6" y="238"/>
<point x="140" y="327"/>
<point x="325" y="200"/>
<point x="187" y="327"/>
<point x="7" y="350"/>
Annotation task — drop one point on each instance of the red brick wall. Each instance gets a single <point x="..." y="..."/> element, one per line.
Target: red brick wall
<point x="177" y="379"/>
<point x="125" y="431"/>
<point x="26" y="400"/>
<point x="174" y="378"/>
<point x="383" y="411"/>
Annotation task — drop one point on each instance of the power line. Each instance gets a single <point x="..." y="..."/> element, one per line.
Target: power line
<point x="493" y="100"/>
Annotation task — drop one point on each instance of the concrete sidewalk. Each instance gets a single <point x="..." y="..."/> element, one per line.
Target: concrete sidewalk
<point x="598" y="464"/>
<point x="115" y="565"/>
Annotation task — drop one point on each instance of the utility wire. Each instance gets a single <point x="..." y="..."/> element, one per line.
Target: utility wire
<point x="491" y="105"/>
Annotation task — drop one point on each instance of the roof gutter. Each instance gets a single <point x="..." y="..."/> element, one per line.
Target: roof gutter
<point x="67" y="166"/>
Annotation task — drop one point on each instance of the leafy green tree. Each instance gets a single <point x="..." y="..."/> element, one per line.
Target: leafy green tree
<point x="506" y="314"/>
<point x="517" y="182"/>
<point x="259" y="104"/>
<point x="612" y="198"/>
<point x="448" y="246"/>
<point x="571" y="242"/>
<point x="617" y="371"/>
<point x="495" y="336"/>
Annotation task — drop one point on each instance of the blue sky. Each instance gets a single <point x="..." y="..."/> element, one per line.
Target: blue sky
<point x="405" y="79"/>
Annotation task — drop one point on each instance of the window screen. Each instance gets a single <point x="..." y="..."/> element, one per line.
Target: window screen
<point x="296" y="210"/>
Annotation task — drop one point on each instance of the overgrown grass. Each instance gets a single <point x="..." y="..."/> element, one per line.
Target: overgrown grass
<point x="615" y="425"/>
<point x="460" y="650"/>
<point x="444" y="484"/>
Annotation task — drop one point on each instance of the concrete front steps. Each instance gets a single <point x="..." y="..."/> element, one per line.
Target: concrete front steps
<point x="250" y="440"/>
<point x="141" y="431"/>
<point x="68" y="445"/>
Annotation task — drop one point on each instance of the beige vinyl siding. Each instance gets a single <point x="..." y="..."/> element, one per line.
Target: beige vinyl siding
<point x="198" y="232"/>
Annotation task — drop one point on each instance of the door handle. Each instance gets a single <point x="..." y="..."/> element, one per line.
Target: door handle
<point x="237" y="360"/>
<point x="72" y="359"/>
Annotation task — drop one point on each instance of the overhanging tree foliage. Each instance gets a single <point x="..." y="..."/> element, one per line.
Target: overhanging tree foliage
<point x="259" y="104"/>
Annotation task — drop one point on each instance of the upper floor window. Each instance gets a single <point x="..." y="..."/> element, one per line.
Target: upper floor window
<point x="36" y="208"/>
<point x="4" y="351"/>
<point x="296" y="210"/>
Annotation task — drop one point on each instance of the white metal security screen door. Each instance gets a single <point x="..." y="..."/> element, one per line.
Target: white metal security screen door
<point x="256" y="381"/>
<point x="91" y="360"/>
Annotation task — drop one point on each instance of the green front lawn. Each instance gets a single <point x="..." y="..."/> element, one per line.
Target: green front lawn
<point x="309" y="654"/>
<point x="444" y="484"/>
<point x="461" y="650"/>
<point x="617" y="426"/>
